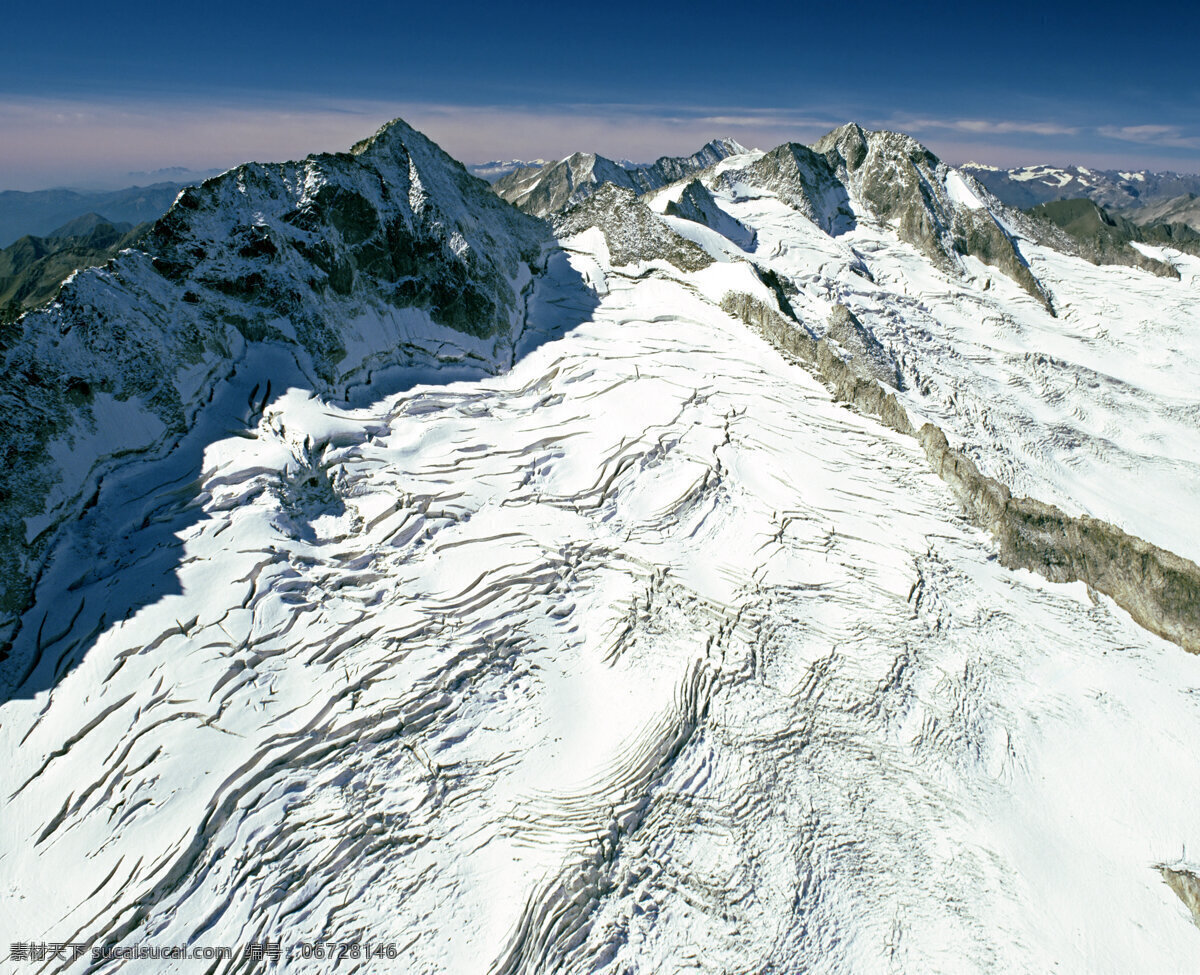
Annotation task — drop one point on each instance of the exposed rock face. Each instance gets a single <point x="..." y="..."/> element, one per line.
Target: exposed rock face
<point x="944" y="214"/>
<point x="849" y="379"/>
<point x="805" y="181"/>
<point x="671" y="169"/>
<point x="632" y="230"/>
<point x="1183" y="209"/>
<point x="696" y="203"/>
<point x="904" y="184"/>
<point x="289" y="253"/>
<point x="1159" y="589"/>
<point x="847" y="331"/>
<point x="545" y="189"/>
<point x="894" y="180"/>
<point x="1187" y="885"/>
<point x="1103" y="238"/>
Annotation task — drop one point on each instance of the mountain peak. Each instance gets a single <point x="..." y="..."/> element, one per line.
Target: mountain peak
<point x="850" y="142"/>
<point x="727" y="146"/>
<point x="580" y="174"/>
<point x="85" y="225"/>
<point x="397" y="130"/>
<point x="853" y="143"/>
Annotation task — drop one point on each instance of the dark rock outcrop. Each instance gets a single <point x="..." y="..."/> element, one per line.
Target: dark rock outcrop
<point x="870" y="356"/>
<point x="904" y="184"/>
<point x="696" y="203"/>
<point x="1159" y="589"/>
<point x="542" y="190"/>
<point x="632" y="230"/>
<point x="288" y="253"/>
<point x="805" y="181"/>
<point x="1187" y="885"/>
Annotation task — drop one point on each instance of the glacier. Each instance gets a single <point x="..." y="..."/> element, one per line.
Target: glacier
<point x="606" y="638"/>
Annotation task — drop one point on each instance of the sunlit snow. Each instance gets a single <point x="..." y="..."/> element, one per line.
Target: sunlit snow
<point x="643" y="656"/>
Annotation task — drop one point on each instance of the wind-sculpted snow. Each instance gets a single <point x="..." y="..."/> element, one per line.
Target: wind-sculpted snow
<point x="629" y="648"/>
<point x="1094" y="411"/>
<point x="362" y="262"/>
<point x="643" y="656"/>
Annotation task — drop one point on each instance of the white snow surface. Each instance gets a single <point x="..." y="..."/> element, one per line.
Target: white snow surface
<point x="644" y="656"/>
<point x="1096" y="410"/>
<point x="961" y="193"/>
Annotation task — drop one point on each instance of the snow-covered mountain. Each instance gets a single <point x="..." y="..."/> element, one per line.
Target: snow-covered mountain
<point x="497" y="168"/>
<point x="786" y="567"/>
<point x="390" y="257"/>
<point x="1027" y="186"/>
<point x="542" y="190"/>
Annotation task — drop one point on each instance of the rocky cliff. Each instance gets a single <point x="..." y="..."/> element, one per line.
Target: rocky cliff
<point x="388" y="254"/>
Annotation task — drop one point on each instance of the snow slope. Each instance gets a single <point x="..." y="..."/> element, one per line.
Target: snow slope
<point x="644" y="655"/>
<point x="1094" y="408"/>
<point x="386" y="258"/>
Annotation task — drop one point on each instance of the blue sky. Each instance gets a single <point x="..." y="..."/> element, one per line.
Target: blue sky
<point x="91" y="92"/>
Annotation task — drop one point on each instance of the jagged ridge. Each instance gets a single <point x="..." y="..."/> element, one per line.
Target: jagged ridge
<point x="33" y="268"/>
<point x="541" y="190"/>
<point x="1159" y="589"/>
<point x="631" y="230"/>
<point x="292" y="253"/>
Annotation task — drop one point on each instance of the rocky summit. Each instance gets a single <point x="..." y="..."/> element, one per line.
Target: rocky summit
<point x="752" y="561"/>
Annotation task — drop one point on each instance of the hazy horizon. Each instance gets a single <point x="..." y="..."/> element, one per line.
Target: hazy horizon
<point x="84" y="101"/>
<point x="133" y="145"/>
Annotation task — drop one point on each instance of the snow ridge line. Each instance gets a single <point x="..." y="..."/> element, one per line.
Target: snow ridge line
<point x="1158" y="588"/>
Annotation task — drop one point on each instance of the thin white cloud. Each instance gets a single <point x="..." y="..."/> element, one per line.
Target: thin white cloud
<point x="987" y="126"/>
<point x="1005" y="142"/>
<point x="1171" y="136"/>
<point x="43" y="142"/>
<point x="46" y="142"/>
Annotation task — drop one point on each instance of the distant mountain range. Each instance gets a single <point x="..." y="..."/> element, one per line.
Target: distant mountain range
<point x="545" y="187"/>
<point x="173" y="174"/>
<point x="1103" y="237"/>
<point x="42" y="212"/>
<point x="498" y="168"/>
<point x="1176" y="209"/>
<point x="1141" y="195"/>
<point x="747" y="561"/>
<point x="33" y="268"/>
